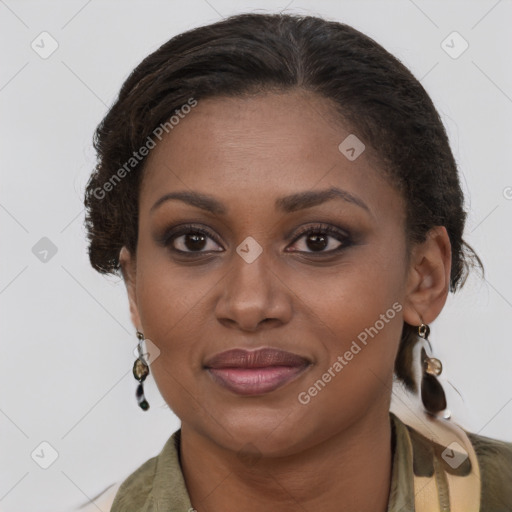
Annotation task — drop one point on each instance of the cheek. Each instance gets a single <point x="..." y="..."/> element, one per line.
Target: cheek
<point x="356" y="314"/>
<point x="358" y="329"/>
<point x="172" y="303"/>
<point x="168" y="295"/>
<point x="359" y="326"/>
<point x="352" y="296"/>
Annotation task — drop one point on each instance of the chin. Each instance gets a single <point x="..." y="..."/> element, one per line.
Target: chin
<point x="260" y="433"/>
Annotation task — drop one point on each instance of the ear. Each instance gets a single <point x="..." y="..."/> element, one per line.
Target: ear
<point x="128" y="269"/>
<point x="428" y="281"/>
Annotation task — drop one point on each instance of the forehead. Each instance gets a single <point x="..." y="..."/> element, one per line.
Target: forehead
<point x="260" y="147"/>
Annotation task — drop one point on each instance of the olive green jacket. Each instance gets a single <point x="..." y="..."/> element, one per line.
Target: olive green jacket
<point x="158" y="484"/>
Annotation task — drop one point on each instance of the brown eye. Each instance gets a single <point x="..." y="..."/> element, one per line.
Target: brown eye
<point x="190" y="239"/>
<point x="193" y="241"/>
<point x="322" y="239"/>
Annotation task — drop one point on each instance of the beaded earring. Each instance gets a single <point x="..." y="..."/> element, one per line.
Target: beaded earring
<point x="140" y="372"/>
<point x="432" y="393"/>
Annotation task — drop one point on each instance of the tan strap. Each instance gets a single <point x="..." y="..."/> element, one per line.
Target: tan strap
<point x="446" y="490"/>
<point x="431" y="493"/>
<point x="465" y="490"/>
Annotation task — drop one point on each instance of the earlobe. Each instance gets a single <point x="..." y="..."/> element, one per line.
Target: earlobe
<point x="428" y="280"/>
<point x="128" y="270"/>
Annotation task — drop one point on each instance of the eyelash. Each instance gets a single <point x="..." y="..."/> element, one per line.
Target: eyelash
<point x="323" y="229"/>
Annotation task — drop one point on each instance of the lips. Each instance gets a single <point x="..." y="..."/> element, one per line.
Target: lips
<point x="255" y="372"/>
<point x="262" y="358"/>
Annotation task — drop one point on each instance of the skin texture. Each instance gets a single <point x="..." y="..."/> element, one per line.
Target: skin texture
<point x="270" y="451"/>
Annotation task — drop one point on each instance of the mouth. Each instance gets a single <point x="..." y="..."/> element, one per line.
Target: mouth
<point x="255" y="372"/>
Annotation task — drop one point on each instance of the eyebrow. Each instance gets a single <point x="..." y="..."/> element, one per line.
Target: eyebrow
<point x="286" y="204"/>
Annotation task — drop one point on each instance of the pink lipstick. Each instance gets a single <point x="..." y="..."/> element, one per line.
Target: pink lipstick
<point x="255" y="372"/>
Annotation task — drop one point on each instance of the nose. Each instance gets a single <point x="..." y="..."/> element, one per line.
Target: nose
<point x="253" y="295"/>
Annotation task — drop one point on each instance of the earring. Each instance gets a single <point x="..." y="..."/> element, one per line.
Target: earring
<point x="140" y="372"/>
<point x="432" y="393"/>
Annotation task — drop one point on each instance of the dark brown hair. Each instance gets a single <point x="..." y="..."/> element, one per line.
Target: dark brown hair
<point x="372" y="90"/>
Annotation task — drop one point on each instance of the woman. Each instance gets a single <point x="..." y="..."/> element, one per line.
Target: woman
<point x="280" y="197"/>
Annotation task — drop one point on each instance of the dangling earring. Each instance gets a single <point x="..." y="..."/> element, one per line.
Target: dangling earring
<point x="432" y="393"/>
<point x="140" y="372"/>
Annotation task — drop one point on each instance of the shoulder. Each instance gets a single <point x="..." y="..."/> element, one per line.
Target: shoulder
<point x="130" y="492"/>
<point x="133" y="492"/>
<point x="495" y="461"/>
<point x="430" y="439"/>
<point x="488" y="448"/>
<point x="157" y="483"/>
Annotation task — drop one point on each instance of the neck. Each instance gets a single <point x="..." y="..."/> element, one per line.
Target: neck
<point x="349" y="471"/>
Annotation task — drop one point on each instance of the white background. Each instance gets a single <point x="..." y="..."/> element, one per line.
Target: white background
<point x="66" y="335"/>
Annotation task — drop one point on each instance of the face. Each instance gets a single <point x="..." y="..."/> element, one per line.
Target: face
<point x="264" y="257"/>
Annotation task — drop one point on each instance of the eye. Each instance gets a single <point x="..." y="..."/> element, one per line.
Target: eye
<point x="191" y="239"/>
<point x="321" y="237"/>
